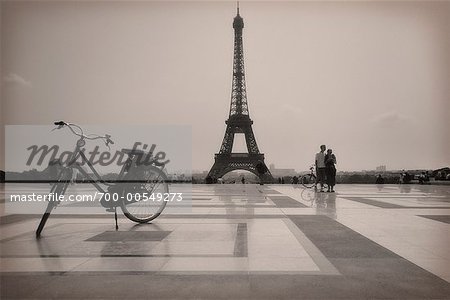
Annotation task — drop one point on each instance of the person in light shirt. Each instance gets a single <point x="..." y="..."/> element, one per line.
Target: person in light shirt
<point x="320" y="166"/>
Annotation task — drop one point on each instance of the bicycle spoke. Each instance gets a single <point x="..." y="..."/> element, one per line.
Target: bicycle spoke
<point x="155" y="187"/>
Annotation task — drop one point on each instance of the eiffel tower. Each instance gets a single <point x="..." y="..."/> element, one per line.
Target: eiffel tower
<point x="239" y="122"/>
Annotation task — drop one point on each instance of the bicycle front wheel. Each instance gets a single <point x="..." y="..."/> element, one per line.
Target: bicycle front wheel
<point x="308" y="180"/>
<point x="145" y="201"/>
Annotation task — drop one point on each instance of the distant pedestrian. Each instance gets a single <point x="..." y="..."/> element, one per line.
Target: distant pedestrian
<point x="407" y="178"/>
<point x="243" y="180"/>
<point x="400" y="179"/>
<point x="424" y="177"/>
<point x="380" y="179"/>
<point x="330" y="170"/>
<point x="320" y="166"/>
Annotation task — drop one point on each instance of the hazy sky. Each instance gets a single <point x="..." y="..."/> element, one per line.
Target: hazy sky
<point x="369" y="79"/>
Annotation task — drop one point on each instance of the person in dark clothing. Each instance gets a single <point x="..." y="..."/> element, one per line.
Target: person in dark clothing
<point x="380" y="179"/>
<point x="407" y="178"/>
<point x="424" y="177"/>
<point x="330" y="170"/>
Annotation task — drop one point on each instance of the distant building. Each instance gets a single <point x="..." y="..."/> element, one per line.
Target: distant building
<point x="381" y="168"/>
<point x="281" y="172"/>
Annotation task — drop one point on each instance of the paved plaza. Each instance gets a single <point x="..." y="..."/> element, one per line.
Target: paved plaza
<point x="238" y="241"/>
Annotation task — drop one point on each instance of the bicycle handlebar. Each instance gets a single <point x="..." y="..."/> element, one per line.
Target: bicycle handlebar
<point x="106" y="138"/>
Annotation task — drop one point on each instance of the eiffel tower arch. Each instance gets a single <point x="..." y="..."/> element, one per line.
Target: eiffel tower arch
<point x="239" y="122"/>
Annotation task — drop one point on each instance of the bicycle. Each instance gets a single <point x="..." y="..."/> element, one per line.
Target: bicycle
<point x="135" y="179"/>
<point x="310" y="180"/>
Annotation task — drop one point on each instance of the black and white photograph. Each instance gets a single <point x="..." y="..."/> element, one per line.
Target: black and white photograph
<point x="224" y="149"/>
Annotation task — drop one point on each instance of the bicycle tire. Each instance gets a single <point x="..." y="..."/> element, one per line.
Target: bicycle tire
<point x="144" y="211"/>
<point x="308" y="180"/>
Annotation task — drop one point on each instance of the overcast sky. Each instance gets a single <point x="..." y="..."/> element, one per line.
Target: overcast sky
<point x="369" y="79"/>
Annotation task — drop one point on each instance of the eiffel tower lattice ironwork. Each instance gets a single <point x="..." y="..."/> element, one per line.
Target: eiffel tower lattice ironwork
<point x="239" y="122"/>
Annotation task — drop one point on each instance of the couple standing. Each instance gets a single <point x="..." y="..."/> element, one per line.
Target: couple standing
<point x="325" y="168"/>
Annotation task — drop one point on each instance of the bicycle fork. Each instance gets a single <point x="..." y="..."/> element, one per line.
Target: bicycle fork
<point x="44" y="219"/>
<point x="115" y="217"/>
<point x="60" y="189"/>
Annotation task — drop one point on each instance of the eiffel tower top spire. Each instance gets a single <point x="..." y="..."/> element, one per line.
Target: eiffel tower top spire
<point x="238" y="22"/>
